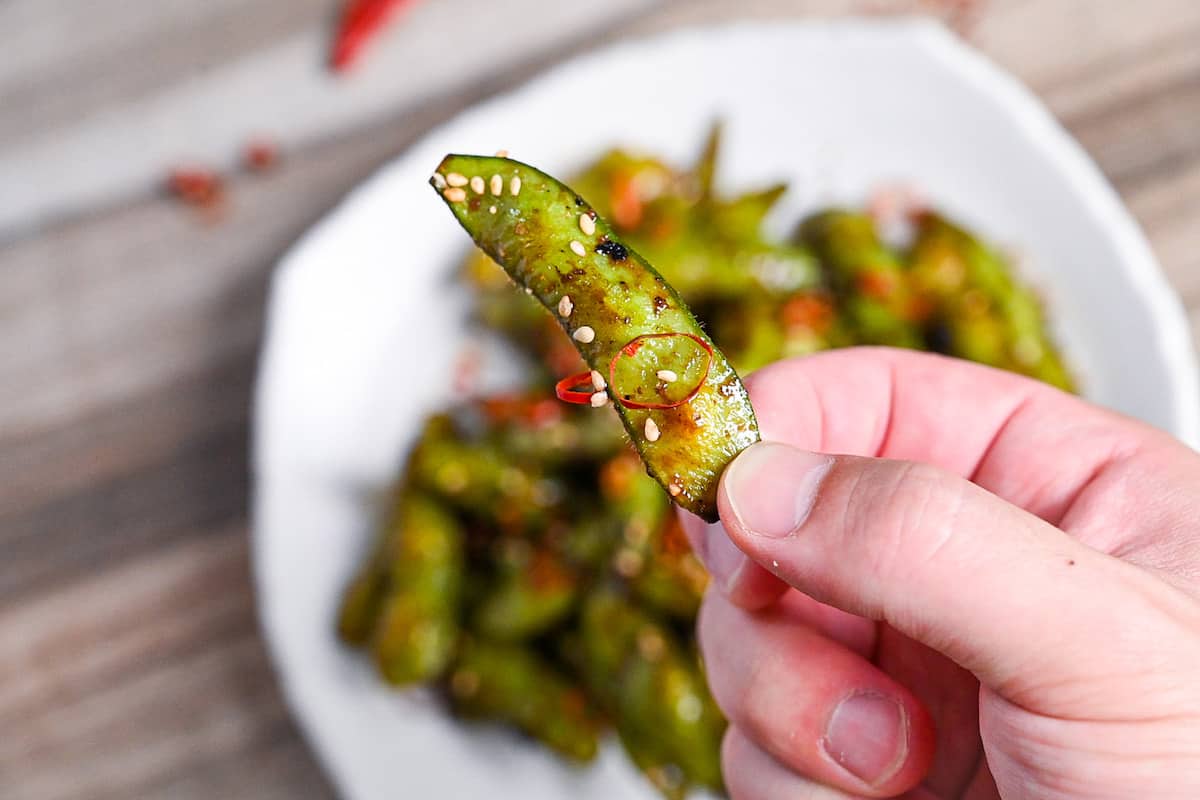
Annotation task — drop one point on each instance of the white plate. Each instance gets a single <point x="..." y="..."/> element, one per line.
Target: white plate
<point x="363" y="326"/>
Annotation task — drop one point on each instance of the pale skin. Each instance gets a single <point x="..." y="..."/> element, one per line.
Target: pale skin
<point x="992" y="590"/>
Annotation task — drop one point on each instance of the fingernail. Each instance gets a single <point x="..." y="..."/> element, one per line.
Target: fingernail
<point x="771" y="487"/>
<point x="868" y="735"/>
<point x="721" y="556"/>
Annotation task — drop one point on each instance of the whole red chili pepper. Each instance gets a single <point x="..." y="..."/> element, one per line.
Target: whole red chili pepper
<point x="361" y="20"/>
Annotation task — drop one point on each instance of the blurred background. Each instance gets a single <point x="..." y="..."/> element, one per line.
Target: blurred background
<point x="156" y="159"/>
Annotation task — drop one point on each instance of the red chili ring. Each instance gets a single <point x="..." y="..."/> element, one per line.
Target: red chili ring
<point x="567" y="391"/>
<point x="631" y="349"/>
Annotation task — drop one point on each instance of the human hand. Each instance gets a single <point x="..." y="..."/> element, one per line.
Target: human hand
<point x="996" y="593"/>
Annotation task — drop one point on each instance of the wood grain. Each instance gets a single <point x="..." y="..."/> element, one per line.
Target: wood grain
<point x="130" y="663"/>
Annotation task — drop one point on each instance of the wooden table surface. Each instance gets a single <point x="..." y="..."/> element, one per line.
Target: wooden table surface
<point x="130" y="660"/>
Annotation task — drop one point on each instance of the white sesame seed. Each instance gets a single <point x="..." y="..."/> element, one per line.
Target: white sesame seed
<point x="627" y="562"/>
<point x="455" y="195"/>
<point x="774" y="563"/>
<point x="599" y="399"/>
<point x="667" y="375"/>
<point x="598" y="381"/>
<point x="689" y="708"/>
<point x="477" y="185"/>
<point x="652" y="432"/>
<point x="587" y="224"/>
<point x="501" y="154"/>
<point x="456" y="179"/>
<point x="497" y="185"/>
<point x="577" y="248"/>
<point x="651" y="645"/>
<point x="674" y="489"/>
<point x="584" y="334"/>
<point x="439" y="181"/>
<point x="491" y="209"/>
<point x="514" y="186"/>
<point x="565" y="306"/>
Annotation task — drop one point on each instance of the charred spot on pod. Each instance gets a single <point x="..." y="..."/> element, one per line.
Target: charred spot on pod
<point x="578" y="200"/>
<point x="940" y="338"/>
<point x="614" y="250"/>
<point x="660" y="304"/>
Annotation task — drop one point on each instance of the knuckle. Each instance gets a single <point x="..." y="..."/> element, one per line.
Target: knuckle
<point x="901" y="515"/>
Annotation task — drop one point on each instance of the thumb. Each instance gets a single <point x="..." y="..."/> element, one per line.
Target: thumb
<point x="998" y="590"/>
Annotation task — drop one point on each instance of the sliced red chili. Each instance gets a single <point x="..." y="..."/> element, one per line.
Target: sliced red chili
<point x="807" y="311"/>
<point x="196" y="186"/>
<point x="535" y="410"/>
<point x="568" y="389"/>
<point x="260" y="155"/>
<point x="626" y="202"/>
<point x="631" y="349"/>
<point x="877" y="283"/>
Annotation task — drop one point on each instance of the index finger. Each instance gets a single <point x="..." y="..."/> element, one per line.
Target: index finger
<point x="1025" y="441"/>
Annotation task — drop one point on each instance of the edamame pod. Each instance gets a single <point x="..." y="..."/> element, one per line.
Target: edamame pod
<point x="986" y="314"/>
<point x="414" y="634"/>
<point x="507" y="682"/>
<point x="868" y="278"/>
<point x="653" y="689"/>
<point x="680" y="400"/>
<point x="532" y="592"/>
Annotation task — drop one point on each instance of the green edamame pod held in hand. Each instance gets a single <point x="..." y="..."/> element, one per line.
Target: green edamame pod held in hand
<point x="680" y="400"/>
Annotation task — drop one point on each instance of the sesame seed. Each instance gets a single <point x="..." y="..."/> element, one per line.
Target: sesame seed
<point x="775" y="563"/>
<point x="652" y="432"/>
<point x="477" y="185"/>
<point x="689" y="708"/>
<point x="599" y="399"/>
<point x="565" y="306"/>
<point x="598" y="381"/>
<point x="501" y="154"/>
<point x="587" y="224"/>
<point x="514" y="186"/>
<point x="439" y="181"/>
<point x="674" y="489"/>
<point x="584" y="334"/>
<point x="667" y="376"/>
<point x="456" y="179"/>
<point x="637" y="530"/>
<point x="455" y="195"/>
<point x="491" y="209"/>
<point x="497" y="185"/>
<point x="650" y="644"/>
<point x="577" y="248"/>
<point x="627" y="562"/>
